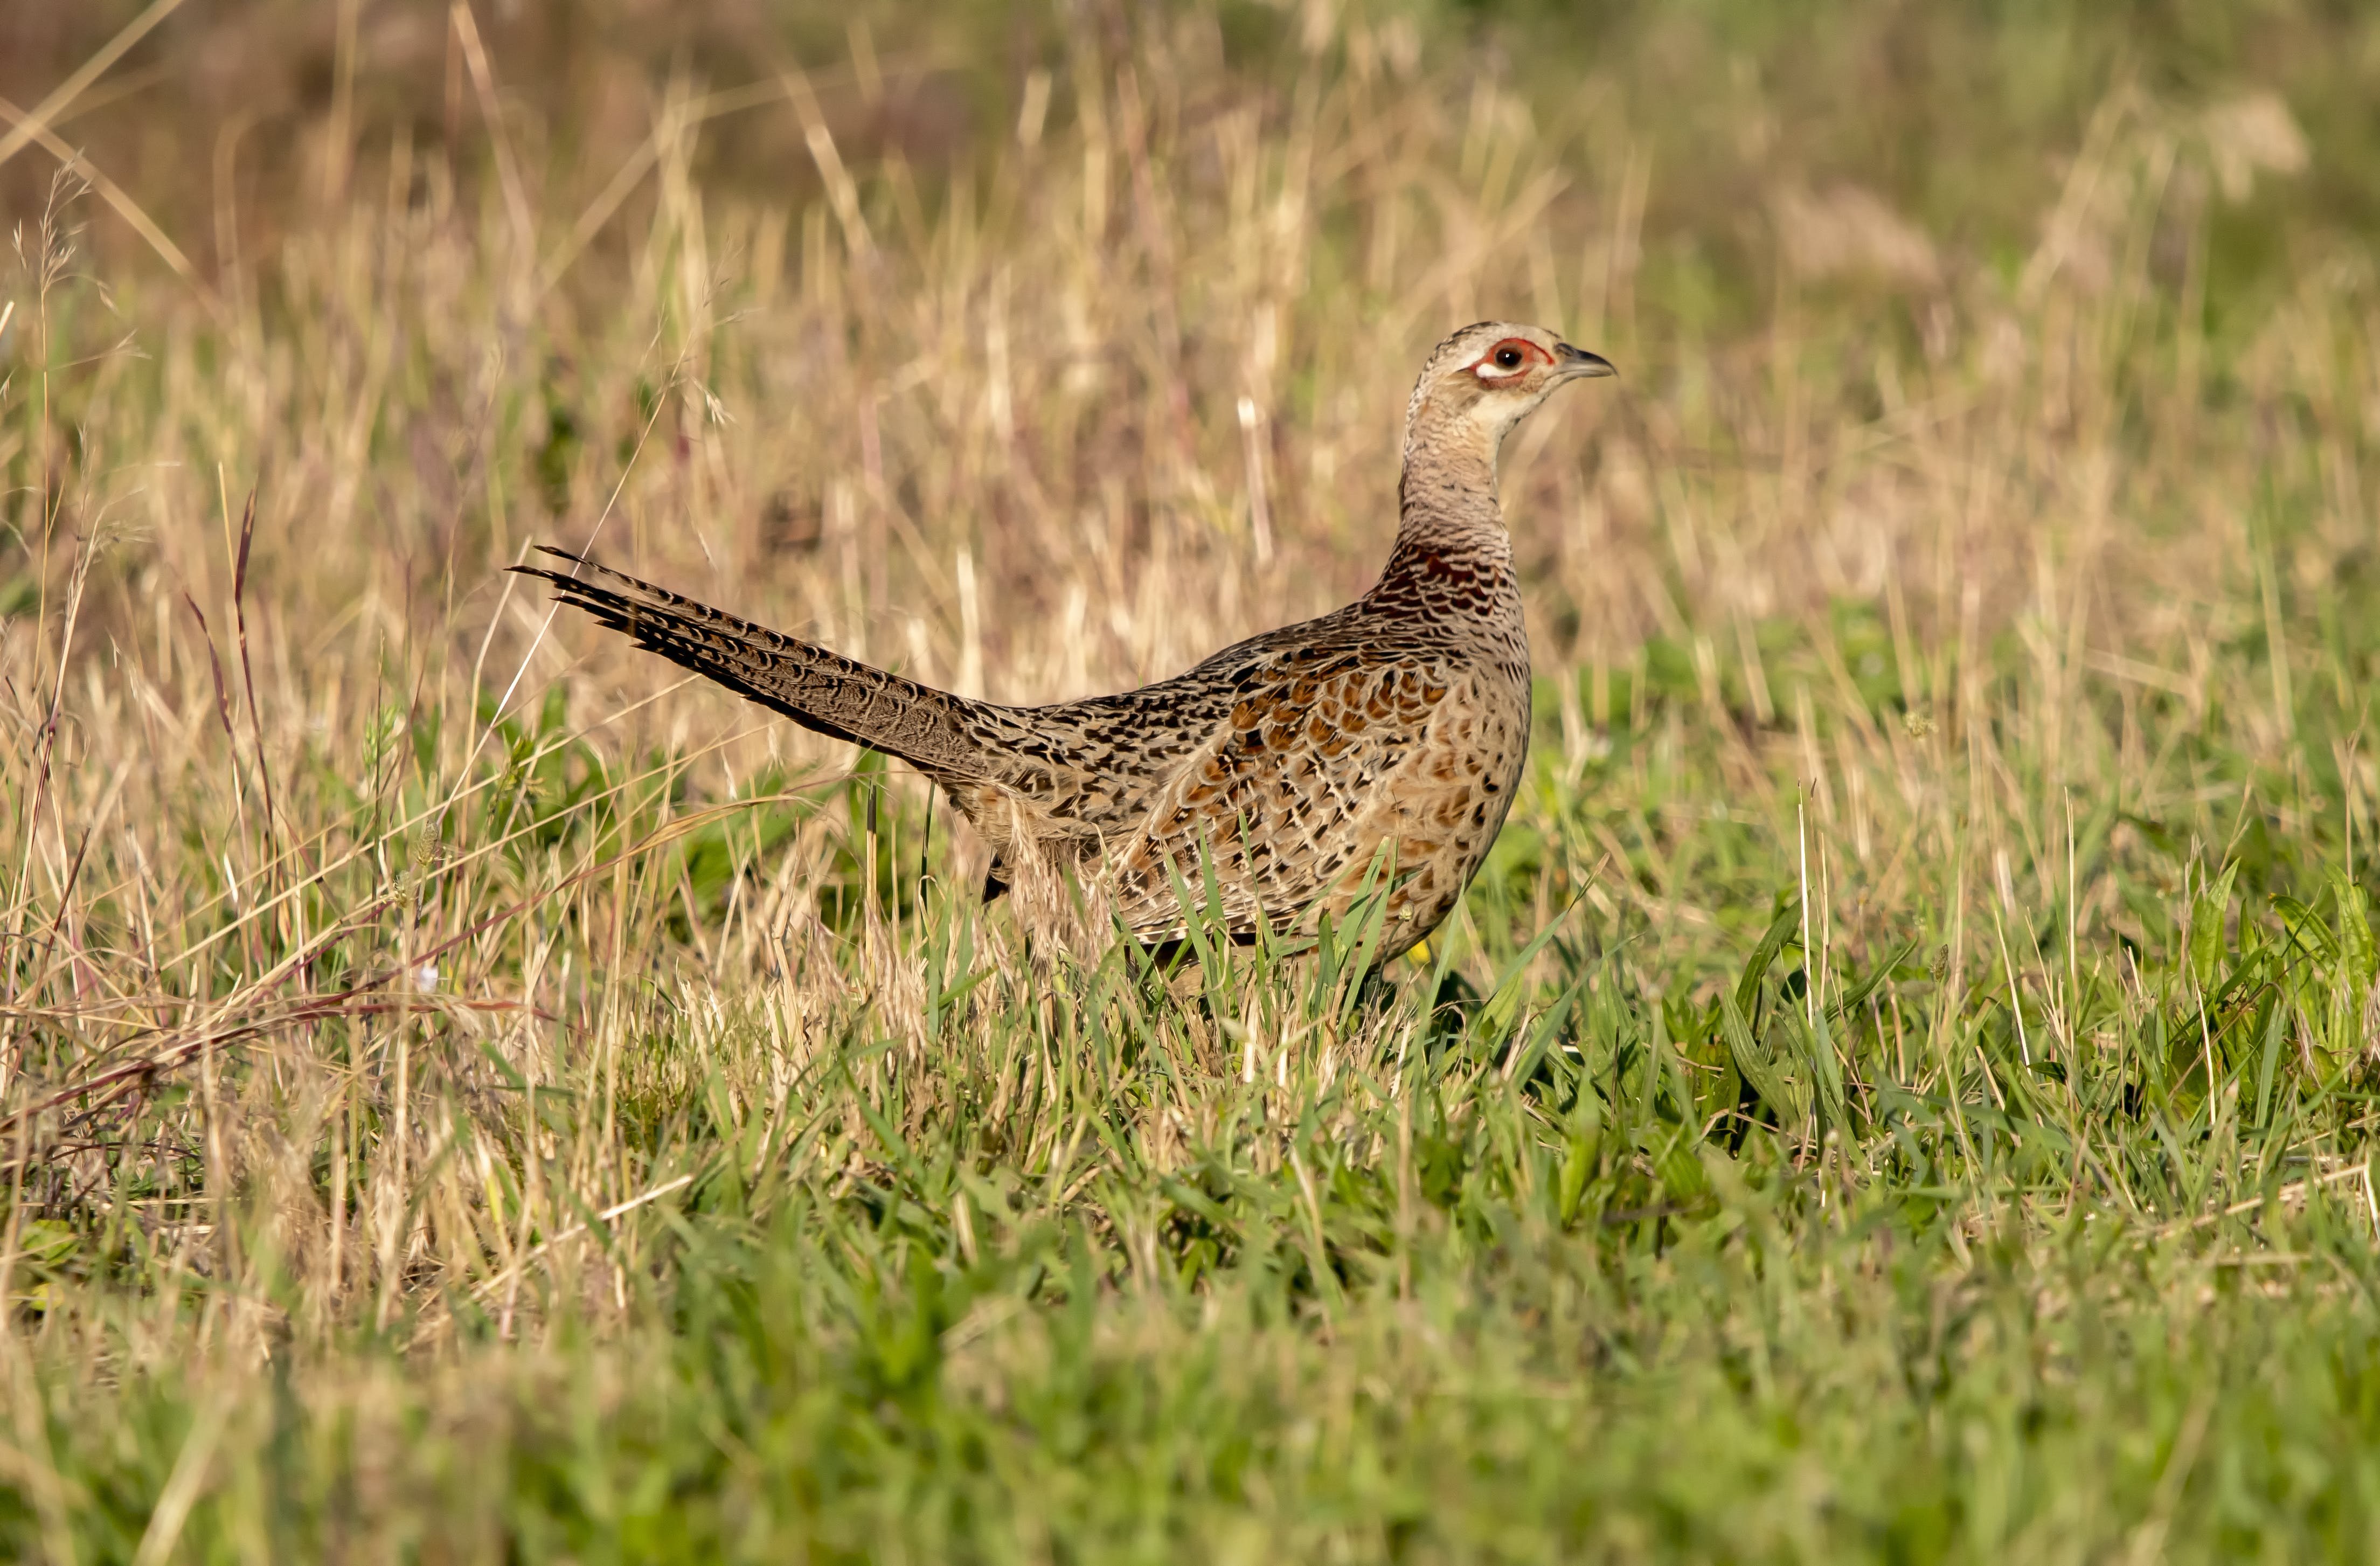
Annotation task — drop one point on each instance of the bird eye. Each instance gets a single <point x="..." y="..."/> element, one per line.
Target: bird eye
<point x="1509" y="357"/>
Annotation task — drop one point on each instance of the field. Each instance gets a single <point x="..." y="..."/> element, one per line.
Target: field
<point x="1903" y="1088"/>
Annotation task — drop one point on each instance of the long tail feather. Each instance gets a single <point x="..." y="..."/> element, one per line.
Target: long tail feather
<point x="932" y="730"/>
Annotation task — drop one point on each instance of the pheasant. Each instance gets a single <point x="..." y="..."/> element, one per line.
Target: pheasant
<point x="1373" y="750"/>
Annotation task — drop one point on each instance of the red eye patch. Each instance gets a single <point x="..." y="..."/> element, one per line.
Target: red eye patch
<point x="1511" y="357"/>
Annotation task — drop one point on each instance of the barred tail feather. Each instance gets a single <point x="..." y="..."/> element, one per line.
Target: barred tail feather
<point x="842" y="698"/>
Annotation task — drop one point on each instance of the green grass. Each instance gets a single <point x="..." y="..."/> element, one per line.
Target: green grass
<point x="1903" y="1087"/>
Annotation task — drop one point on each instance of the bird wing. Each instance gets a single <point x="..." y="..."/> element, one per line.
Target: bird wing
<point x="1283" y="795"/>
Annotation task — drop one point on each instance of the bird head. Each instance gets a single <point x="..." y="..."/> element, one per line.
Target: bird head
<point x="1489" y="377"/>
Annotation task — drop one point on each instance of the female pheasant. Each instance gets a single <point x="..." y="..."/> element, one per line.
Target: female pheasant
<point x="1379" y="745"/>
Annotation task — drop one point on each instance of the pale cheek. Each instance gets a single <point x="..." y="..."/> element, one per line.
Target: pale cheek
<point x="1497" y="415"/>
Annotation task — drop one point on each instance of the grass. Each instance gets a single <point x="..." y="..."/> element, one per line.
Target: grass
<point x="1901" y="1088"/>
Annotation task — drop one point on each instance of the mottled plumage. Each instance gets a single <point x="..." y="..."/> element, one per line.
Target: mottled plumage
<point x="1292" y="761"/>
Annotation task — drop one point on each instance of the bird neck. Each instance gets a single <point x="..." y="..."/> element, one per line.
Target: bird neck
<point x="1448" y="513"/>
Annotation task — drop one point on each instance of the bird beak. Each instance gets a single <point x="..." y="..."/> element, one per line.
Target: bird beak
<point x="1572" y="361"/>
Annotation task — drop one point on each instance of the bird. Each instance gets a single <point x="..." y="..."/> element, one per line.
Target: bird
<point x="1366" y="757"/>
